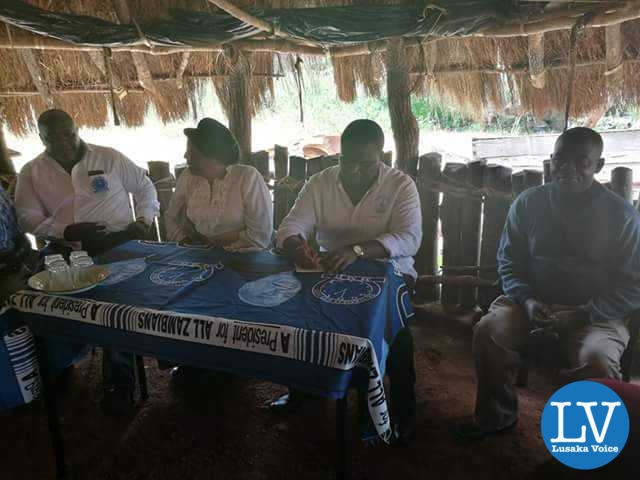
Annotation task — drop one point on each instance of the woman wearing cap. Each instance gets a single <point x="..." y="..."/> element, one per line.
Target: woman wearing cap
<point x="216" y="201"/>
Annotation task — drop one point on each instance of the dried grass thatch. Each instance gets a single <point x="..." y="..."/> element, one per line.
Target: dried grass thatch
<point x="478" y="75"/>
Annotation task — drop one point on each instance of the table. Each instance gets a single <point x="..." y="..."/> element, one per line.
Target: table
<point x="204" y="307"/>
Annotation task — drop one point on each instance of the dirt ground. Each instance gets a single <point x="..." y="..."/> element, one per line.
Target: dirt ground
<point x="224" y="431"/>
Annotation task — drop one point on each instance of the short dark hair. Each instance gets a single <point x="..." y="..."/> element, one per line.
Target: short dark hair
<point x="53" y="116"/>
<point x="214" y="140"/>
<point x="362" y="132"/>
<point x="584" y="135"/>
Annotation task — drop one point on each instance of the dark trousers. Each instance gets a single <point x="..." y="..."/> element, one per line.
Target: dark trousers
<point x="118" y="370"/>
<point x="402" y="375"/>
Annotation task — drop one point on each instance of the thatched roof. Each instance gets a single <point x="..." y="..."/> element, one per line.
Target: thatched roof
<point x="482" y="72"/>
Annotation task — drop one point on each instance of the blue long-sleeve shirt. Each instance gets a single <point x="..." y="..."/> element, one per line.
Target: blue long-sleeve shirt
<point x="559" y="254"/>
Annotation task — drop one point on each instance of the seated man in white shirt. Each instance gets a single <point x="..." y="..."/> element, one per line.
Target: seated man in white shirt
<point x="76" y="194"/>
<point x="363" y="209"/>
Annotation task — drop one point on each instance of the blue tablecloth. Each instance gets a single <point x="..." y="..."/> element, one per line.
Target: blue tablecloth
<point x="19" y="372"/>
<point x="308" y="330"/>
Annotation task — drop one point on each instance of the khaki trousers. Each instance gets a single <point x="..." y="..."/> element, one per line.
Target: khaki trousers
<point x="501" y="336"/>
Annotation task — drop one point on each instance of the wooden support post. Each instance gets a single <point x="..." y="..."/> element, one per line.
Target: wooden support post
<point x="429" y="171"/>
<point x="330" y="161"/>
<point x="315" y="165"/>
<point x="524" y="180"/>
<point x="260" y="160"/>
<point x="160" y="174"/>
<point x="181" y="69"/>
<point x="403" y="123"/>
<point x="532" y="178"/>
<point x="38" y="78"/>
<point x="98" y="60"/>
<point x="297" y="167"/>
<point x="495" y="213"/>
<point x="239" y="101"/>
<point x="6" y="165"/>
<point x="517" y="183"/>
<point x="622" y="182"/>
<point x="281" y="162"/>
<point x="451" y="222"/>
<point x="546" y="168"/>
<point x="178" y="170"/>
<point x="614" y="72"/>
<point x="123" y="12"/>
<point x="537" y="74"/>
<point x="470" y="230"/>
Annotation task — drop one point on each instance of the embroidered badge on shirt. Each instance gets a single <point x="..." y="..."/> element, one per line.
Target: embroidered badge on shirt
<point x="380" y="204"/>
<point x="99" y="184"/>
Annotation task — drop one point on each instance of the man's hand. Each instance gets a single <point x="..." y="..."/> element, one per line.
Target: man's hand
<point x="539" y="313"/>
<point x="81" y="232"/>
<point x="339" y="259"/>
<point x="138" y="230"/>
<point x="301" y="253"/>
<point x="306" y="257"/>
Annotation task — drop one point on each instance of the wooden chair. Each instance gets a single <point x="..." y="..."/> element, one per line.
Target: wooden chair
<point x="626" y="362"/>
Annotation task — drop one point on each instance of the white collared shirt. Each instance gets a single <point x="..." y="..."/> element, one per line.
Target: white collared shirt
<point x="48" y="198"/>
<point x="389" y="212"/>
<point x="240" y="202"/>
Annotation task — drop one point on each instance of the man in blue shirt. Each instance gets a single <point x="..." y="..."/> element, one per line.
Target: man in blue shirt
<point x="569" y="262"/>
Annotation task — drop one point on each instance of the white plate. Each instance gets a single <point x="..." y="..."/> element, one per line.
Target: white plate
<point x="93" y="276"/>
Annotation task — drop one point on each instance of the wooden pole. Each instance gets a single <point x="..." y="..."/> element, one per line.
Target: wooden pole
<point x="564" y="20"/>
<point x="260" y="160"/>
<point x="622" y="182"/>
<point x="451" y="223"/>
<point x="495" y="212"/>
<point x="537" y="74"/>
<point x="123" y="12"/>
<point x="281" y="163"/>
<point x="403" y="122"/>
<point x="257" y="22"/>
<point x="546" y="166"/>
<point x="178" y="170"/>
<point x="524" y="180"/>
<point x="297" y="167"/>
<point x="614" y="73"/>
<point x="517" y="183"/>
<point x="532" y="178"/>
<point x="37" y="77"/>
<point x="315" y="165"/>
<point x="240" y="101"/>
<point x="330" y="161"/>
<point x="429" y="170"/>
<point x="160" y="174"/>
<point x="470" y="228"/>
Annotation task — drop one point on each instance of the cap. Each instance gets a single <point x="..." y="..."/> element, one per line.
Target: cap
<point x="214" y="140"/>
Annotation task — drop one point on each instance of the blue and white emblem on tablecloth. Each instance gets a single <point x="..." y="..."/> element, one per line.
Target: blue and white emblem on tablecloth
<point x="99" y="184"/>
<point x="178" y="274"/>
<point x="344" y="289"/>
<point x="270" y="291"/>
<point x="124" y="270"/>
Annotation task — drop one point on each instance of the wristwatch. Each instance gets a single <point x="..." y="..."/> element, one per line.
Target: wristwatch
<point x="358" y="250"/>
